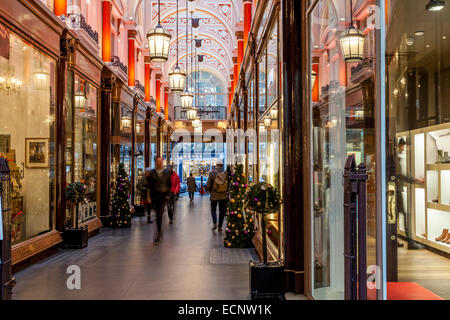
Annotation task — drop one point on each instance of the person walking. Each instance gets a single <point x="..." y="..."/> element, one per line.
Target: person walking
<point x="175" y="190"/>
<point x="403" y="179"/>
<point x="217" y="186"/>
<point x="192" y="186"/>
<point x="160" y="185"/>
<point x="144" y="192"/>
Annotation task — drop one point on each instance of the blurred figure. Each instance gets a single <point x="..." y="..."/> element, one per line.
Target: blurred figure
<point x="160" y="185"/>
<point x="402" y="181"/>
<point x="175" y="190"/>
<point x="192" y="186"/>
<point x="144" y="191"/>
<point x="218" y="188"/>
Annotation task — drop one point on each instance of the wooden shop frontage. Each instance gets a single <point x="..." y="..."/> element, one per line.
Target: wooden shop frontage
<point x="262" y="103"/>
<point x="65" y="117"/>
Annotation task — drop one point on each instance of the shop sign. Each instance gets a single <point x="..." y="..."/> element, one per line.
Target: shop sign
<point x="4" y="42"/>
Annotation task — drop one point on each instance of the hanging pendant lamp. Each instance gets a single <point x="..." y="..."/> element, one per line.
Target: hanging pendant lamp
<point x="159" y="41"/>
<point x="352" y="42"/>
<point x="177" y="78"/>
<point x="196" y="123"/>
<point x="187" y="99"/>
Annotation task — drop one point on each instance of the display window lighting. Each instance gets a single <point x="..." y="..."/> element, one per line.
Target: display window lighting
<point x="159" y="41"/>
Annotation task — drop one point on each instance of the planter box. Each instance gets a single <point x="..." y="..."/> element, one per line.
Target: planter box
<point x="267" y="281"/>
<point x="76" y="238"/>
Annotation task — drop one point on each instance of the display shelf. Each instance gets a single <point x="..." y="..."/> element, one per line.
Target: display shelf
<point x="445" y="187"/>
<point x="432" y="186"/>
<point x="439" y="206"/>
<point x="437" y="221"/>
<point x="419" y="157"/>
<point x="431" y="203"/>
<point x="438" y="166"/>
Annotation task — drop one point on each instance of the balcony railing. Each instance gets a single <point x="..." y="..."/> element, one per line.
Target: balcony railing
<point x="205" y="113"/>
<point x="78" y="21"/>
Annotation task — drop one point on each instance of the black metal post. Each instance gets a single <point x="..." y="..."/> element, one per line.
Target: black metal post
<point x="355" y="238"/>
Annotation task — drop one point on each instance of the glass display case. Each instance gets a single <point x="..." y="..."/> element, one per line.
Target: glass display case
<point x="430" y="149"/>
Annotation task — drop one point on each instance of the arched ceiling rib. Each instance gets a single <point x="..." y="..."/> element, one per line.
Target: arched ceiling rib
<point x="218" y="19"/>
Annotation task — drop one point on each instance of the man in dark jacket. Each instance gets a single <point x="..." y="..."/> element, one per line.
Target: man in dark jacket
<point x="217" y="186"/>
<point x="160" y="184"/>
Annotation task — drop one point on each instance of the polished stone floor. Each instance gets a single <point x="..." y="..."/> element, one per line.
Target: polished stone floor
<point x="189" y="264"/>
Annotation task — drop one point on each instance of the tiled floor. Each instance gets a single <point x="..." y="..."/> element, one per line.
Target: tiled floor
<point x="124" y="264"/>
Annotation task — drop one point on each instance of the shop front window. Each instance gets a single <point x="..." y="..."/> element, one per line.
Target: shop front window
<point x="342" y="107"/>
<point x="125" y="139"/>
<point x="262" y="84"/>
<point x="140" y="157"/>
<point x="268" y="127"/>
<point x="272" y="67"/>
<point x="27" y="134"/>
<point x="85" y="144"/>
<point x="154" y="143"/>
<point x="418" y="123"/>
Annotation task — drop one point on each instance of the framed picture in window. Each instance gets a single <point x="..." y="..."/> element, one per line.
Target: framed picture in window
<point x="37" y="153"/>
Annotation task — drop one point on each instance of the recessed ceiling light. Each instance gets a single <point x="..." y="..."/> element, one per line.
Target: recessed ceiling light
<point x="444" y="37"/>
<point x="419" y="33"/>
<point x="428" y="45"/>
<point x="410" y="41"/>
<point x="435" y="5"/>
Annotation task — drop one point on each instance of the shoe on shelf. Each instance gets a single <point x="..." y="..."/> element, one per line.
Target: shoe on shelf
<point x="443" y="235"/>
<point x="214" y="228"/>
<point x="447" y="239"/>
<point x="413" y="245"/>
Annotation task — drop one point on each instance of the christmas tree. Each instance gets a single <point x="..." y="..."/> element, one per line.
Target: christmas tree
<point x="240" y="222"/>
<point x="121" y="213"/>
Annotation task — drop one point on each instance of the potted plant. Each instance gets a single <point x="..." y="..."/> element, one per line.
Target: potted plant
<point x="74" y="236"/>
<point x="266" y="278"/>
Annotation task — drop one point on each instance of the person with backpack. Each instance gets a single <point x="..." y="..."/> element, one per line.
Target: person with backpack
<point x="217" y="186"/>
